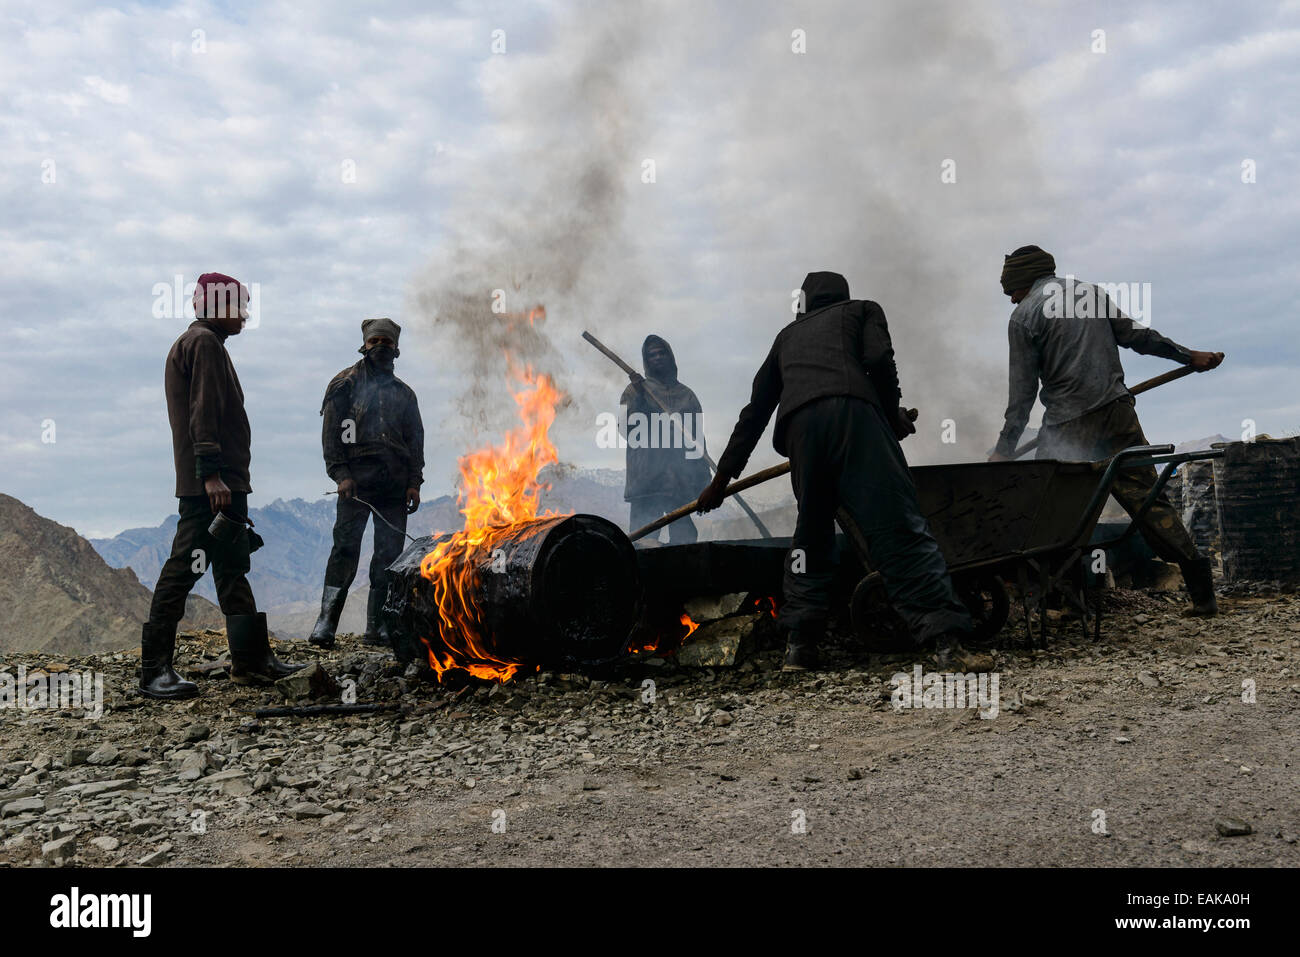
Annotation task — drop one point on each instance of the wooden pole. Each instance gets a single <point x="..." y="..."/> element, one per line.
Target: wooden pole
<point x="635" y="376"/>
<point x="1138" y="389"/>
<point x="758" y="478"/>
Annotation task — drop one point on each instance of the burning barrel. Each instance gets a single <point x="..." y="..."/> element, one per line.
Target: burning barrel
<point x="553" y="591"/>
<point x="1258" y="488"/>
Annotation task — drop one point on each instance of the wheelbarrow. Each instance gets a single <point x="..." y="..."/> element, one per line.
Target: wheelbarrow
<point x="1029" y="521"/>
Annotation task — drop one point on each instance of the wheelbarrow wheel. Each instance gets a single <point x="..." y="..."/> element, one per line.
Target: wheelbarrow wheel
<point x="875" y="622"/>
<point x="986" y="598"/>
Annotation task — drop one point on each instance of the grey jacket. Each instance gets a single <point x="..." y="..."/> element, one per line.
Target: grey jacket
<point x="653" y="470"/>
<point x="1074" y="354"/>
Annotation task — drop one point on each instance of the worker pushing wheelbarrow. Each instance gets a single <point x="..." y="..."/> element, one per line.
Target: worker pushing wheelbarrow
<point x="831" y="379"/>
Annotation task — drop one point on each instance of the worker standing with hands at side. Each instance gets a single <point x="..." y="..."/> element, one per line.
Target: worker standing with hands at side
<point x="372" y="438"/>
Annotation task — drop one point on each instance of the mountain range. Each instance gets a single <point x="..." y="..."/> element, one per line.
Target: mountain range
<point x="57" y="595"/>
<point x="288" y="572"/>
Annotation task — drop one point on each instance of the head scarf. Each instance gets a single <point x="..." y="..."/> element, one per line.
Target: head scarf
<point x="1022" y="267"/>
<point x="379" y="327"/>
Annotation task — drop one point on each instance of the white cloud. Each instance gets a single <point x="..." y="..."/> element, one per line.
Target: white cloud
<point x="117" y="93"/>
<point x="176" y="161"/>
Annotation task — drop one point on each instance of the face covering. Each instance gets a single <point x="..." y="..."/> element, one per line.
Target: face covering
<point x="381" y="357"/>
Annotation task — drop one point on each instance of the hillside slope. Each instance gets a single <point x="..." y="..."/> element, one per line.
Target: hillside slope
<point x="58" y="596"/>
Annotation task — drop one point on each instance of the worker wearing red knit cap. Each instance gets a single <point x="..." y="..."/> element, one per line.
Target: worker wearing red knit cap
<point x="211" y="446"/>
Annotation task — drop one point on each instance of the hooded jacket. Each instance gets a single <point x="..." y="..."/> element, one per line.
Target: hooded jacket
<point x="386" y="428"/>
<point x="662" y="470"/>
<point x="838" y="346"/>
<point x="205" y="406"/>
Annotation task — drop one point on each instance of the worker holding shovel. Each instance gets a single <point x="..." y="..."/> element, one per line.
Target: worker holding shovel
<point x="1066" y="335"/>
<point x="372" y="439"/>
<point x="831" y="379"/>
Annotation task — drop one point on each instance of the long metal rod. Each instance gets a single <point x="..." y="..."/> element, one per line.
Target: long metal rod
<point x="1138" y="389"/>
<point x="376" y="514"/>
<point x="617" y="360"/>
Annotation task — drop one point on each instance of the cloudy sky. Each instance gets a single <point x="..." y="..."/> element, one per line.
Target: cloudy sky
<point x="664" y="167"/>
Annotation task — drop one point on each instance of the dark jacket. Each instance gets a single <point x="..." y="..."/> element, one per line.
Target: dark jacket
<point x="839" y="346"/>
<point x="665" y="470"/>
<point x="386" y="427"/>
<point x="205" y="406"/>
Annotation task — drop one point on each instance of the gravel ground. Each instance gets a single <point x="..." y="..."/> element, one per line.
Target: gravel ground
<point x="1136" y="751"/>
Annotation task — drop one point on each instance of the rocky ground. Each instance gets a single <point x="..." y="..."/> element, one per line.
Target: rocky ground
<point x="1139" y="750"/>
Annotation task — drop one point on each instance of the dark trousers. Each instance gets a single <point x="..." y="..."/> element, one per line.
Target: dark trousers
<point x="844" y="455"/>
<point x="1100" y="434"/>
<point x="646" y="508"/>
<point x="350" y="524"/>
<point x="193" y="551"/>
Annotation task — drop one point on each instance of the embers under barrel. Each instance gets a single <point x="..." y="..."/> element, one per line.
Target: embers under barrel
<point x="552" y="591"/>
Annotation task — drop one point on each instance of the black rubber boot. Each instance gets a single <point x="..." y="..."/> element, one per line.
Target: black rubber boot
<point x="801" y="649"/>
<point x="331" y="609"/>
<point x="252" y="662"/>
<point x="1199" y="579"/>
<point x="157" y="677"/>
<point x="377" y="633"/>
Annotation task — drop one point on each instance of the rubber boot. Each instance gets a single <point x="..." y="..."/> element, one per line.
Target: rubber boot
<point x="157" y="677"/>
<point x="1199" y="579"/>
<point x="801" y="648"/>
<point x="331" y="609"/>
<point x="377" y="633"/>
<point x="252" y="662"/>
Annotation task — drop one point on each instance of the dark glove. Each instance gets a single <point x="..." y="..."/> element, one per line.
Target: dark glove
<point x="904" y="422"/>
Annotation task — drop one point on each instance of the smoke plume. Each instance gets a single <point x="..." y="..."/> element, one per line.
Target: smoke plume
<point x="884" y="141"/>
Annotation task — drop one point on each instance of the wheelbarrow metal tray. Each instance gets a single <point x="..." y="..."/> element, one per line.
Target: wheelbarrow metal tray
<point x="982" y="513"/>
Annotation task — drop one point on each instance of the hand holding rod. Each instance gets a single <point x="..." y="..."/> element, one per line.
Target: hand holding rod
<point x="374" y="510"/>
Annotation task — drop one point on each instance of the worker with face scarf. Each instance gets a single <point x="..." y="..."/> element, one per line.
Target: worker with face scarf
<point x="665" y="442"/>
<point x="211" y="446"/>
<point x="373" y="442"/>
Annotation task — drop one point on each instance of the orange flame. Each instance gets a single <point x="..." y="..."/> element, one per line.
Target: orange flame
<point x="690" y="624"/>
<point x="533" y="315"/>
<point x="499" y="489"/>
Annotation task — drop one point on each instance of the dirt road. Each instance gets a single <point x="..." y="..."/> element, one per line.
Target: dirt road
<point x="1139" y="750"/>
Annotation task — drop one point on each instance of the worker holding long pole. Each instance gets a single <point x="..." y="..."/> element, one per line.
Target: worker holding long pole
<point x="665" y="441"/>
<point x="649" y="495"/>
<point x="831" y="379"/>
<point x="1066" y="334"/>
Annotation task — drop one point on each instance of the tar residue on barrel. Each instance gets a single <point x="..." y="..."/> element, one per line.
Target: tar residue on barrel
<point x="560" y="591"/>
<point x="1257" y="486"/>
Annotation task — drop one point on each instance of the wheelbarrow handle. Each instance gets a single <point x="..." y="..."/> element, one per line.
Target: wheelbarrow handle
<point x="1113" y="467"/>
